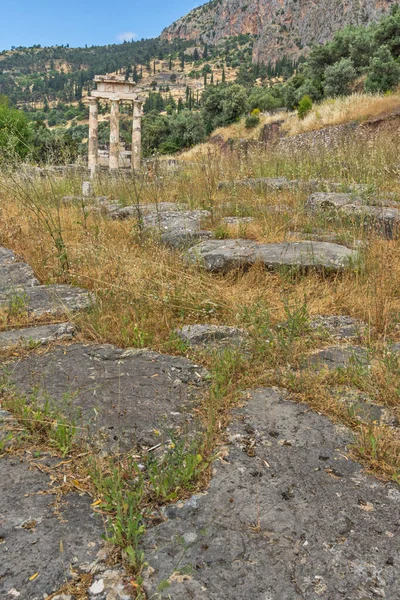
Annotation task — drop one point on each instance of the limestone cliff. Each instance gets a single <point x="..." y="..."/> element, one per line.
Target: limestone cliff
<point x="282" y="27"/>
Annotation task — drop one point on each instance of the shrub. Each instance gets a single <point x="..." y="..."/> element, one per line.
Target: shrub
<point x="305" y="106"/>
<point x="252" y="121"/>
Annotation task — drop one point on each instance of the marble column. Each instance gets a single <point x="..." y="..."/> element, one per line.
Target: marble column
<point x="114" y="135"/>
<point x="136" y="158"/>
<point x="93" y="136"/>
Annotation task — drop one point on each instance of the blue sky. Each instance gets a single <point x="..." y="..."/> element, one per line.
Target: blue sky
<point x="80" y="22"/>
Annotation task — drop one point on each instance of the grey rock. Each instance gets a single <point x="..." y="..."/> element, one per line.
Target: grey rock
<point x="286" y="517"/>
<point x="16" y="275"/>
<point x="137" y="211"/>
<point x="224" y="255"/>
<point x="33" y="533"/>
<point x="267" y="183"/>
<point x="338" y="357"/>
<point x="211" y="335"/>
<point x="42" y="300"/>
<point x="341" y="327"/>
<point x="361" y="406"/>
<point x="43" y="334"/>
<point x="6" y="256"/>
<point x="395" y="348"/>
<point x="178" y="229"/>
<point x="237" y="220"/>
<point x="383" y="218"/>
<point x="119" y="397"/>
<point x="327" y="236"/>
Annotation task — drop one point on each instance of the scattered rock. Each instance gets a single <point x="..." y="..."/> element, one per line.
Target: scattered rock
<point x="43" y="334"/>
<point x="35" y="560"/>
<point x="384" y="219"/>
<point x="338" y="357"/>
<point x="283" y="517"/>
<point x="42" y="300"/>
<point x="122" y="397"/>
<point x="224" y="255"/>
<point x="178" y="229"/>
<point x="267" y="183"/>
<point x="341" y="327"/>
<point x="137" y="211"/>
<point x="17" y="275"/>
<point x="237" y="220"/>
<point x="212" y="335"/>
<point x="326" y="236"/>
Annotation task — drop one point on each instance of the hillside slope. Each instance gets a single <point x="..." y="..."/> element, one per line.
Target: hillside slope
<point x="286" y="27"/>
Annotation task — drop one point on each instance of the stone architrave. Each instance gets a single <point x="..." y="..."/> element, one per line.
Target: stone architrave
<point x="93" y="136"/>
<point x="137" y="136"/>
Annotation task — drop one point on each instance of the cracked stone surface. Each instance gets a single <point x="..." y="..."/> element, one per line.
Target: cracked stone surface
<point x="268" y="183"/>
<point x="178" y="229"/>
<point x="338" y="357"/>
<point x="32" y="535"/>
<point x="43" y="299"/>
<point x="383" y="218"/>
<point x="341" y="327"/>
<point x="43" y="334"/>
<point x="224" y="255"/>
<point x="137" y="211"/>
<point x="20" y="291"/>
<point x="121" y="397"/>
<point x="287" y="516"/>
<point x="212" y="335"/>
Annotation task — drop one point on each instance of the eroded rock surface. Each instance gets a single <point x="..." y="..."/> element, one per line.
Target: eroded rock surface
<point x="341" y="327"/>
<point x="224" y="255"/>
<point x="20" y="291"/>
<point x="383" y="218"/>
<point x="287" y="516"/>
<point x="34" y="539"/>
<point x="338" y="357"/>
<point x="43" y="334"/>
<point x="211" y="335"/>
<point x="121" y="397"/>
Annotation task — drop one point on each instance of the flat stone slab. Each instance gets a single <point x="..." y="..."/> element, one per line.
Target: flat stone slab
<point x="178" y="229"/>
<point x="212" y="335"/>
<point x="42" y="300"/>
<point x="224" y="255"/>
<point x="269" y="183"/>
<point x="338" y="357"/>
<point x="385" y="219"/>
<point x="120" y="397"/>
<point x="137" y="211"/>
<point x="6" y="256"/>
<point x="341" y="327"/>
<point x="286" y="517"/>
<point x="16" y="275"/>
<point x="34" y="540"/>
<point x="43" y="334"/>
<point x="237" y="221"/>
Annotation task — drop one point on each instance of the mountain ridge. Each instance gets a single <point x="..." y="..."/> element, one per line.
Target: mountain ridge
<point x="283" y="27"/>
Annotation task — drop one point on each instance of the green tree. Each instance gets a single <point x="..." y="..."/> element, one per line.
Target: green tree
<point x="338" y="78"/>
<point x="15" y="133"/>
<point x="383" y="72"/>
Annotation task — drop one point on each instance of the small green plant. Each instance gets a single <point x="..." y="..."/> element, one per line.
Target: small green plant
<point x="17" y="304"/>
<point x="305" y="107"/>
<point x="221" y="233"/>
<point x="177" y="470"/>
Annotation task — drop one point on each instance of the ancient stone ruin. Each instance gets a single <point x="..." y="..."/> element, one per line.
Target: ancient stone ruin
<point x="116" y="90"/>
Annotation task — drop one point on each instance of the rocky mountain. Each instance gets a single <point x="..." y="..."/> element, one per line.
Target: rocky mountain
<point x="282" y="27"/>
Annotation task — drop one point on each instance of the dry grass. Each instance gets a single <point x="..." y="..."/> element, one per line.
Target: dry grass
<point x="144" y="290"/>
<point x="337" y="111"/>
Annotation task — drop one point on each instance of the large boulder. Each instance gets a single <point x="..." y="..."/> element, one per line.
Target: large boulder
<point x="287" y="516"/>
<point x="224" y="255"/>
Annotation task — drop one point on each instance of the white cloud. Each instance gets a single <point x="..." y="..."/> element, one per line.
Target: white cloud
<point x="127" y="36"/>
